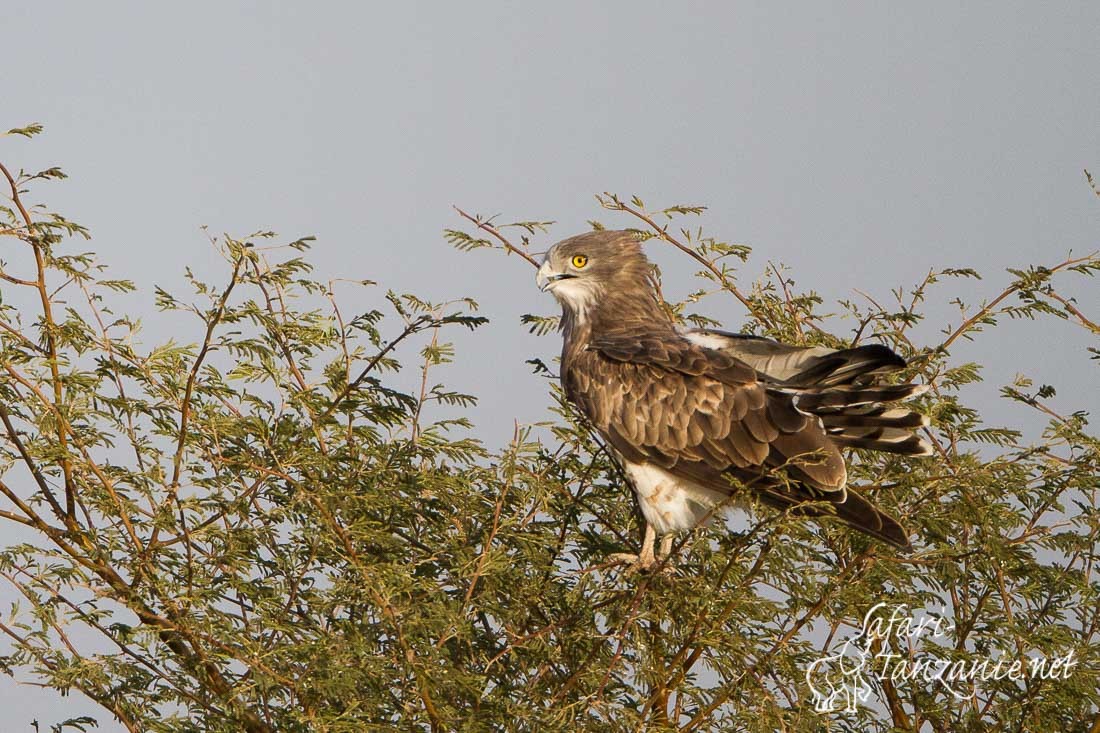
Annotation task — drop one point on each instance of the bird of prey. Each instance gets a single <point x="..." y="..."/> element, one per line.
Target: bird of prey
<point x="694" y="414"/>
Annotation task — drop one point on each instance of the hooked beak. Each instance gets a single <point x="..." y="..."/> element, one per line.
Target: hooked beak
<point x="547" y="276"/>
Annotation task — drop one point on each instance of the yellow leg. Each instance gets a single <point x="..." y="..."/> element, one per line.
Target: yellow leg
<point x="644" y="560"/>
<point x="647" y="559"/>
<point x="666" y="546"/>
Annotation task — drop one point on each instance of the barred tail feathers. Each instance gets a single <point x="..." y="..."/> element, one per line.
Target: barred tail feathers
<point x="842" y="387"/>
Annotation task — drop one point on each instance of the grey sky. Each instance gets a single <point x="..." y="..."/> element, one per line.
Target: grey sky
<point x="861" y="145"/>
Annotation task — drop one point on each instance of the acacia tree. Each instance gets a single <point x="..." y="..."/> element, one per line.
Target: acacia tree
<point x="251" y="527"/>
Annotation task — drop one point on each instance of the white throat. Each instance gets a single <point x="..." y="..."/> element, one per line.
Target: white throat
<point x="578" y="295"/>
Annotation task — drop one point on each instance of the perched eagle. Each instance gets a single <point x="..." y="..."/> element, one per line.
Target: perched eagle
<point x="694" y="413"/>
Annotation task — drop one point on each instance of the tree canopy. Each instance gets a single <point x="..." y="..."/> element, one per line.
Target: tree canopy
<point x="250" y="526"/>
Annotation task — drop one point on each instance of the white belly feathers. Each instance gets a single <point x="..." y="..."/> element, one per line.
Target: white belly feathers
<point x="668" y="502"/>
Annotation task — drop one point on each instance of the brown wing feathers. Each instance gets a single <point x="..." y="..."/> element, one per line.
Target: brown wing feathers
<point x="710" y="406"/>
<point x="706" y="412"/>
<point x="840" y="387"/>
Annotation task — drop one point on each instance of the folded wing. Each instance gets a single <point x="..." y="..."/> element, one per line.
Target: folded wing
<point x="719" y="407"/>
<point x="842" y="387"/>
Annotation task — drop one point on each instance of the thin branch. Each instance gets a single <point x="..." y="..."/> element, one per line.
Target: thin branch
<point x="185" y="407"/>
<point x="1069" y="306"/>
<point x="49" y="325"/>
<point x="1014" y="287"/>
<point x="486" y="226"/>
<point x="279" y="337"/>
<point x="662" y="232"/>
<point x="32" y="466"/>
<point x="788" y="300"/>
<point x="413" y="327"/>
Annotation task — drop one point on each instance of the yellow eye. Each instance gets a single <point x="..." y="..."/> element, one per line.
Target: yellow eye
<point x="579" y="261"/>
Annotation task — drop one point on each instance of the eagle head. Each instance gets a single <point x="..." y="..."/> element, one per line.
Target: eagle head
<point x="582" y="270"/>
